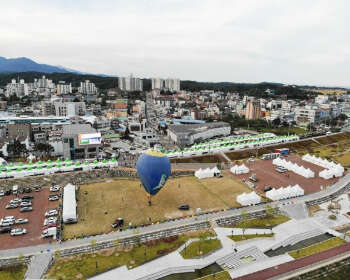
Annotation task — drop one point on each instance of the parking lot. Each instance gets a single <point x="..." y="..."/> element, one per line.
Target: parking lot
<point x="268" y="176"/>
<point x="36" y="218"/>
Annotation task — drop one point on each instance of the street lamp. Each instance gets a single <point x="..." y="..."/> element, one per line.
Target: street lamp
<point x="232" y="233"/>
<point x="214" y="274"/>
<point x="145" y="254"/>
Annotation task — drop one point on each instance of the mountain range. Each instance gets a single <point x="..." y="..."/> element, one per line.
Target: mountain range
<point x="24" y="64"/>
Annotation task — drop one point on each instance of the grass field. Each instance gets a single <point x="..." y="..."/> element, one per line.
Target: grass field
<point x="222" y="275"/>
<point x="13" y="273"/>
<point x="277" y="219"/>
<point x="249" y="236"/>
<point x="330" y="91"/>
<point x="83" y="266"/>
<point x="205" y="247"/>
<point x="323" y="246"/>
<point x="104" y="202"/>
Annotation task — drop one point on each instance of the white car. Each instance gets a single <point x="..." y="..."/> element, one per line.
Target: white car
<point x="26" y="203"/>
<point x="51" y="220"/>
<point x="18" y="231"/>
<point x="55" y="188"/>
<point x="281" y="169"/>
<point x="2" y="193"/>
<point x="21" y="221"/>
<point x="52" y="212"/>
<point x="54" y="197"/>
<point x="15" y="201"/>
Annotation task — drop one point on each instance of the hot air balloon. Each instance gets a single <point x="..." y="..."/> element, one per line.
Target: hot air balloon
<point x="153" y="168"/>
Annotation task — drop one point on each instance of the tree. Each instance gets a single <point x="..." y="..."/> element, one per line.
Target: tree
<point x="16" y="148"/>
<point x="93" y="244"/>
<point x="202" y="238"/>
<point x="46" y="148"/>
<point x="244" y="218"/>
<point x="276" y="121"/>
<point x="269" y="212"/>
<point x="126" y="133"/>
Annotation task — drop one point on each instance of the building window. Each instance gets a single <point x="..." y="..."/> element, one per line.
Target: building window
<point x="65" y="140"/>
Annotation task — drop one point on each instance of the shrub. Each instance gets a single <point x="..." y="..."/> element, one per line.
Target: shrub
<point x="332" y="217"/>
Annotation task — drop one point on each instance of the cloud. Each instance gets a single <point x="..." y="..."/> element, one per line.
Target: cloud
<point x="221" y="40"/>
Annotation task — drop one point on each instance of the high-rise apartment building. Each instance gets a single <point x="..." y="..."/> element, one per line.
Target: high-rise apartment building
<point x="130" y="83"/>
<point x="63" y="88"/>
<point x="253" y="110"/>
<point x="157" y="83"/>
<point x="87" y="88"/>
<point x="172" y="84"/>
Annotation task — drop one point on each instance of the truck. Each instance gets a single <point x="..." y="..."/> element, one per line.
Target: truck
<point x="270" y="156"/>
<point x="49" y="232"/>
<point x="15" y="189"/>
<point x="283" y="151"/>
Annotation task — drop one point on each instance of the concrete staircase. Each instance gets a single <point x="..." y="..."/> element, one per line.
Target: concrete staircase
<point x="38" y="266"/>
<point x="297" y="238"/>
<point x="233" y="260"/>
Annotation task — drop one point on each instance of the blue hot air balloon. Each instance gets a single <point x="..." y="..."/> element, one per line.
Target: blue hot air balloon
<point x="153" y="168"/>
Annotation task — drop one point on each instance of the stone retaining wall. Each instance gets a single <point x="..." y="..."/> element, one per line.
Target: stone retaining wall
<point x="14" y="261"/>
<point x="329" y="197"/>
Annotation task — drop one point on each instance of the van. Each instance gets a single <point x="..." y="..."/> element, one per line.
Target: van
<point x="15" y="189"/>
<point x="7" y="222"/>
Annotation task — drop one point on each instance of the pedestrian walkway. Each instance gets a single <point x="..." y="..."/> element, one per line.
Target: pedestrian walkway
<point x="296" y="210"/>
<point x="38" y="265"/>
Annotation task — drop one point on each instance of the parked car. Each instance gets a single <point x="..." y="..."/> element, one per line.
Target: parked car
<point x="54" y="188"/>
<point x="2" y="192"/>
<point x="8" y="192"/>
<point x="27" y="197"/>
<point x="5" y="230"/>
<point x="26" y="209"/>
<point x="21" y="190"/>
<point x="21" y="221"/>
<point x="281" y="169"/>
<point x="6" y="222"/>
<point x="268" y="188"/>
<point x="28" y="190"/>
<point x="50" y="220"/>
<point x="11" y="206"/>
<point x="184" y="207"/>
<point x="118" y="223"/>
<point x="48" y="226"/>
<point x="15" y="201"/>
<point x="26" y="203"/>
<point x="54" y="197"/>
<point x="18" y="231"/>
<point x="51" y="212"/>
<point x="70" y="221"/>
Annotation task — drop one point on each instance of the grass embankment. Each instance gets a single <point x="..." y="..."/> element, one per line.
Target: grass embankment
<point x="223" y="275"/>
<point x="199" y="248"/>
<point x="323" y="246"/>
<point x="83" y="266"/>
<point x="249" y="236"/>
<point x="313" y="209"/>
<point x="12" y="273"/>
<point x="277" y="219"/>
<point x="105" y="202"/>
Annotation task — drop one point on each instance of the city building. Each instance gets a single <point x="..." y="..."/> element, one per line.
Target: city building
<point x="253" y="110"/>
<point x="87" y="88"/>
<point x="157" y="83"/>
<point x="43" y="85"/>
<point x="19" y="89"/>
<point x="80" y="141"/>
<point x="63" y="88"/>
<point x="130" y="83"/>
<point x="172" y="84"/>
<point x="309" y="114"/>
<point x="193" y="133"/>
<point x="15" y="130"/>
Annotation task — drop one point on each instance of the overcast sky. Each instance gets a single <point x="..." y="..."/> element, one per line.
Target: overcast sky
<point x="292" y="42"/>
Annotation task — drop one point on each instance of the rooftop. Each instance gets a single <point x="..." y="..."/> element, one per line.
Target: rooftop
<point x="78" y="129"/>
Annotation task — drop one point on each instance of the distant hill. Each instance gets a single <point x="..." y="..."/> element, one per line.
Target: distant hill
<point x="24" y="64"/>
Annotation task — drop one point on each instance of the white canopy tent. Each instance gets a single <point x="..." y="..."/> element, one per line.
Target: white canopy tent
<point x="69" y="203"/>
<point x="207" y="173"/>
<point x="284" y="193"/>
<point x="248" y="199"/>
<point x="242" y="170"/>
<point x="233" y="169"/>
<point x="216" y="171"/>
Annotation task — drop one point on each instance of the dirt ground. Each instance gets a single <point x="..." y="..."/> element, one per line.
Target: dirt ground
<point x="36" y="218"/>
<point x="268" y="176"/>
